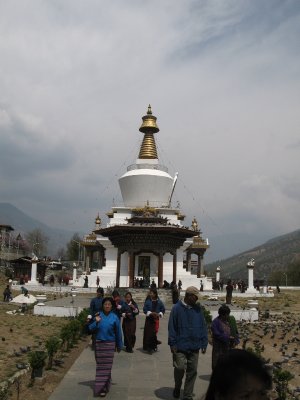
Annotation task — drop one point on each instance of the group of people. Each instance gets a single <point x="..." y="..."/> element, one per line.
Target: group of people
<point x="110" y="317"/>
<point x="113" y="319"/>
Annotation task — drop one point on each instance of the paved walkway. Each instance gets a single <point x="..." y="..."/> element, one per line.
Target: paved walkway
<point x="135" y="376"/>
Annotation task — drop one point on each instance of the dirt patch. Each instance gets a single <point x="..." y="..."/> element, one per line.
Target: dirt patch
<point x="43" y="387"/>
<point x="276" y="335"/>
<point x="25" y="332"/>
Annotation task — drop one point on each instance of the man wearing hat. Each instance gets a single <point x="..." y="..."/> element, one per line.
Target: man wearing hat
<point x="187" y="335"/>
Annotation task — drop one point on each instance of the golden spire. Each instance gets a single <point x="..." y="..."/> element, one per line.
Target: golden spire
<point x="148" y="127"/>
<point x="97" y="222"/>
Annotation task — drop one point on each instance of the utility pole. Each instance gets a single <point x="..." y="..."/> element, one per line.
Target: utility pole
<point x="78" y="250"/>
<point x="285" y="274"/>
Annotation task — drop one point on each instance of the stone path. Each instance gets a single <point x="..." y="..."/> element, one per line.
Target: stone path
<point x="135" y="376"/>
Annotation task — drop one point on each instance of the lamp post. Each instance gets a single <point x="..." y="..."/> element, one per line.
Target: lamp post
<point x="18" y="239"/>
<point x="265" y="287"/>
<point x="35" y="244"/>
<point x="78" y="250"/>
<point x="285" y="274"/>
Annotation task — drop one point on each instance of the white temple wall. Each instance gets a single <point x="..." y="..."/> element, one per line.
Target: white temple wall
<point x="168" y="267"/>
<point x="124" y="278"/>
<point x="173" y="218"/>
<point x="119" y="218"/>
<point x="154" y="268"/>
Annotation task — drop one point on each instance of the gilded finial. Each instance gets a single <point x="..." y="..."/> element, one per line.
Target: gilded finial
<point x="149" y="122"/>
<point x="195" y="224"/>
<point x="148" y="127"/>
<point x="98" y="221"/>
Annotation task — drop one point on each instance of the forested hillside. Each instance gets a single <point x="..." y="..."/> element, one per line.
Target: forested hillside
<point x="273" y="259"/>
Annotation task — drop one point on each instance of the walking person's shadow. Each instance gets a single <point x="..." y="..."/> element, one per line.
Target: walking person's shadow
<point x="164" y="393"/>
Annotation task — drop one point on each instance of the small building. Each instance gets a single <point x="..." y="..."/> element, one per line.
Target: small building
<point x="5" y="242"/>
<point x="22" y="268"/>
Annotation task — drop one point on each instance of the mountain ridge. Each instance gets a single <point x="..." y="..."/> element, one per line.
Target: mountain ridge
<point x="23" y="223"/>
<point x="275" y="254"/>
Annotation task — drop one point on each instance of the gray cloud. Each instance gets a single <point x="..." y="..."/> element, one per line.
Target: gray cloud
<point x="222" y="78"/>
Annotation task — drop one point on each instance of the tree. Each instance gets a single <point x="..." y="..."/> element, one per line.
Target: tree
<point x="37" y="241"/>
<point x="281" y="379"/>
<point x="290" y="275"/>
<point x="293" y="273"/>
<point x="37" y="362"/>
<point x="52" y="346"/>
<point x="61" y="253"/>
<point x="73" y="247"/>
<point x="277" y="278"/>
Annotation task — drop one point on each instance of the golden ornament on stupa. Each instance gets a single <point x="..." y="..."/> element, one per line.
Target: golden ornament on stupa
<point x="148" y="127"/>
<point x="98" y="221"/>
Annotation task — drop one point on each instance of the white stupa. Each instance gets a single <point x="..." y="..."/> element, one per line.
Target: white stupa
<point x="145" y="237"/>
<point x="147" y="182"/>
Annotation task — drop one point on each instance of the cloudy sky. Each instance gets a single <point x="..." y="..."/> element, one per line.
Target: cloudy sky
<point x="222" y="78"/>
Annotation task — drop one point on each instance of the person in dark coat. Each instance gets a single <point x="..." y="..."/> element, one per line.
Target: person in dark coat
<point x="187" y="336"/>
<point x="129" y="312"/>
<point x="96" y="303"/>
<point x="7" y="295"/>
<point x="86" y="282"/>
<point x="154" y="309"/>
<point x="95" y="308"/>
<point x="229" y="290"/>
<point x="201" y="286"/>
<point x="175" y="294"/>
<point x="224" y="334"/>
<point x="240" y="374"/>
<point x="278" y="289"/>
<point x="118" y="303"/>
<point x="153" y="284"/>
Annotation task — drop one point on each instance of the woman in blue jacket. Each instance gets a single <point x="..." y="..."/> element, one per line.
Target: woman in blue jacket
<point x="108" y="338"/>
<point x="154" y="309"/>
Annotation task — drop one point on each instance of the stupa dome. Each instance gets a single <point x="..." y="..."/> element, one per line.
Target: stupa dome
<point x="147" y="182"/>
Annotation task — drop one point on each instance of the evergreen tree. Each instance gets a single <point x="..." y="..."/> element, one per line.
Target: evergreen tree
<point x="73" y="247"/>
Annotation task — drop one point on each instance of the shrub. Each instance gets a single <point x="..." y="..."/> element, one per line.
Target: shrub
<point x="37" y="361"/>
<point x="66" y="337"/>
<point x="281" y="379"/>
<point x="4" y="393"/>
<point x="52" y="346"/>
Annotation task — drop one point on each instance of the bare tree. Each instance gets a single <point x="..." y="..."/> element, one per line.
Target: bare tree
<point x="37" y="241"/>
<point x="61" y="253"/>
